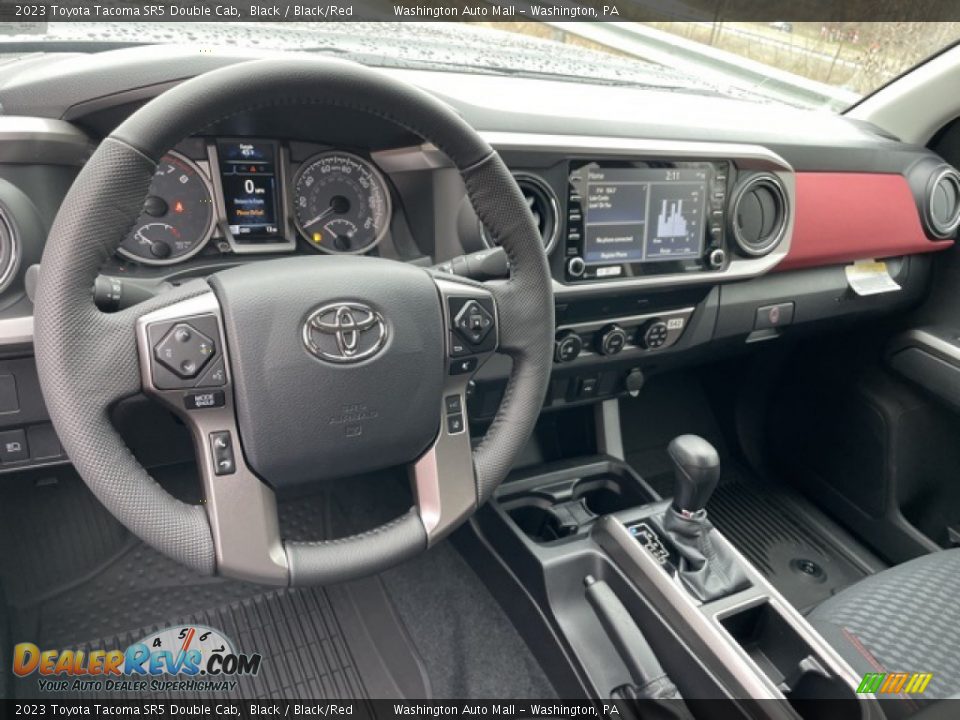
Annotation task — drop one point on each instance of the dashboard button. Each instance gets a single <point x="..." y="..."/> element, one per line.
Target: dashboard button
<point x="771" y="316"/>
<point x="576" y="266"/>
<point x="611" y="340"/>
<point x="654" y="335"/>
<point x="567" y="346"/>
<point x="13" y="446"/>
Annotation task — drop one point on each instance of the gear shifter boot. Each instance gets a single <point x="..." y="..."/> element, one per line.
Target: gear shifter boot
<point x="707" y="570"/>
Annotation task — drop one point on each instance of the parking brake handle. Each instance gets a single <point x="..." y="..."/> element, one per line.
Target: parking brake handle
<point x="650" y="681"/>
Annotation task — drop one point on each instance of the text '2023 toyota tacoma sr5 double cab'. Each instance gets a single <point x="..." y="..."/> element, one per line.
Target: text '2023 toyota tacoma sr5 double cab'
<point x="429" y="361"/>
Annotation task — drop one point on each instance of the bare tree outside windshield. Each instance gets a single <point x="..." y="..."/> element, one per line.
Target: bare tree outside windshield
<point x="852" y="58"/>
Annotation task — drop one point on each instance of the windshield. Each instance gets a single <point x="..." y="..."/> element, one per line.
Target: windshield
<point x="816" y="65"/>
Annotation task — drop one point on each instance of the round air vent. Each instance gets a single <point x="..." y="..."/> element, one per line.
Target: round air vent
<point x="9" y="250"/>
<point x="543" y="205"/>
<point x="943" y="202"/>
<point x="759" y="211"/>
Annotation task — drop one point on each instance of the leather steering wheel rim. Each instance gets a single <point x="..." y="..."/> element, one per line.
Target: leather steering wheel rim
<point x="86" y="358"/>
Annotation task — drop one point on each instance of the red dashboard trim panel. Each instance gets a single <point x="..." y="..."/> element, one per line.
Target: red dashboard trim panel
<point x="842" y="217"/>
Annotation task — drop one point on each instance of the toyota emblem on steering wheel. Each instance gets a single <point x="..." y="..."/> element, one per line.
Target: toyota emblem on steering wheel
<point x="344" y="332"/>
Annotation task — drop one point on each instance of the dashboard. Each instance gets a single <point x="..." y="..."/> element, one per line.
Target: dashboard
<point x="258" y="195"/>
<point x="677" y="229"/>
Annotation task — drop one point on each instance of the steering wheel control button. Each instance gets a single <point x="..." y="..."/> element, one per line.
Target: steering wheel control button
<point x="203" y="400"/>
<point x="221" y="449"/>
<point x="462" y="367"/>
<point x="13" y="446"/>
<point x="184" y="350"/>
<point x="473" y="322"/>
<point x="452" y="404"/>
<point x="454" y="424"/>
<point x="458" y="347"/>
<point x="215" y="375"/>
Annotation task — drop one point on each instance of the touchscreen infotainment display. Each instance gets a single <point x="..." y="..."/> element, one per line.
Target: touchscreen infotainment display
<point x="641" y="214"/>
<point x="248" y="174"/>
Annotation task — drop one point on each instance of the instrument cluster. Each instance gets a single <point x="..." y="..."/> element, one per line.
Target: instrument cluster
<point x="259" y="196"/>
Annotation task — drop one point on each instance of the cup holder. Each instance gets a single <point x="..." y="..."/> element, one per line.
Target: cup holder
<point x="553" y="509"/>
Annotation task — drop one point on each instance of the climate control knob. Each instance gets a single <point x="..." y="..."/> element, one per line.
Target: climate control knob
<point x="653" y="335"/>
<point x="611" y="340"/>
<point x="567" y="346"/>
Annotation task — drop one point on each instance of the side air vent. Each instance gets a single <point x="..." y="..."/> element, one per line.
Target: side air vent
<point x="543" y="204"/>
<point x="758" y="214"/>
<point x="942" y="209"/>
<point x="9" y="251"/>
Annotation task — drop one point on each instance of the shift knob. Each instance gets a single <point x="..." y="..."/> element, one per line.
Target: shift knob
<point x="697" y="470"/>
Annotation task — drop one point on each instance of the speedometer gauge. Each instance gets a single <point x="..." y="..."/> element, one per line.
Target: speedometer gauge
<point x="177" y="216"/>
<point x="341" y="203"/>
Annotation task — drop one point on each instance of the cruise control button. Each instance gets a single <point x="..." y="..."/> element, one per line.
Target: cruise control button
<point x="461" y="367"/>
<point x="184" y="350"/>
<point x="202" y="400"/>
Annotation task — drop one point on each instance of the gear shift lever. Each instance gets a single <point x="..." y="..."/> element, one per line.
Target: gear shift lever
<point x="706" y="569"/>
<point x="697" y="469"/>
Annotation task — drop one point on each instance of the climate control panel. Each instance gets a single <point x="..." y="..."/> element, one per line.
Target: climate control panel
<point x="633" y="335"/>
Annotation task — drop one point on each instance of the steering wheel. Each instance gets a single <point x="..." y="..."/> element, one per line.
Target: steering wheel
<point x="296" y="370"/>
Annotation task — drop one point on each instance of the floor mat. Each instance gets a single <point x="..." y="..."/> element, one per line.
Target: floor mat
<point x="424" y="629"/>
<point x="803" y="553"/>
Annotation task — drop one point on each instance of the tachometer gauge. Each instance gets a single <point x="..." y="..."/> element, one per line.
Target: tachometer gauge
<point x="341" y="203"/>
<point x="177" y="217"/>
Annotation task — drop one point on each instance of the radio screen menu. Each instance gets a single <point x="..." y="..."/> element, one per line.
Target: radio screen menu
<point x="634" y="215"/>
<point x="248" y="175"/>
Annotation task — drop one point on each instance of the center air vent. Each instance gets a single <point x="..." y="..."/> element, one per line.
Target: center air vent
<point x="943" y="202"/>
<point x="543" y="205"/>
<point x="759" y="213"/>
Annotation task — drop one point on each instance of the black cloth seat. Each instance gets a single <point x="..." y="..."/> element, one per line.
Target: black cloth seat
<point x="905" y="619"/>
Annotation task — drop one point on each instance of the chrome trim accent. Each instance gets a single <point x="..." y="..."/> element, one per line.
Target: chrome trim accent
<point x="205" y="179"/>
<point x="16" y="330"/>
<point x="443" y="478"/>
<point x="241" y="508"/>
<point x="347" y="332"/>
<point x="704" y="619"/>
<point x="8" y="231"/>
<point x="36" y="140"/>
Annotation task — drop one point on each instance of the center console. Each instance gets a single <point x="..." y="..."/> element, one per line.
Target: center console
<point x="650" y="602"/>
